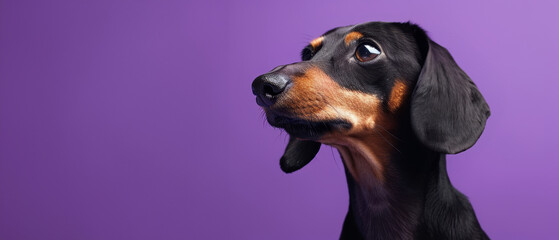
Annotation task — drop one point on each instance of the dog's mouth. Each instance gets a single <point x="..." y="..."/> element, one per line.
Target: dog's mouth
<point x="306" y="129"/>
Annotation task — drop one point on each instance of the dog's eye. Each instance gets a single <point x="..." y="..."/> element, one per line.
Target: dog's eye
<point x="366" y="52"/>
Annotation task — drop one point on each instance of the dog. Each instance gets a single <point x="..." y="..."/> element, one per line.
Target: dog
<point x="393" y="103"/>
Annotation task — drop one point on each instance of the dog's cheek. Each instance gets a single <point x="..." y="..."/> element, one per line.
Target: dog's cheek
<point x="397" y="95"/>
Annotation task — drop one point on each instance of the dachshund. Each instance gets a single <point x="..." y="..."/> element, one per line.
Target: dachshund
<point x="393" y="103"/>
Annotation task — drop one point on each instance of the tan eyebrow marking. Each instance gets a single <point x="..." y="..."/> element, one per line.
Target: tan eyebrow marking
<point x="315" y="43"/>
<point x="352" y="36"/>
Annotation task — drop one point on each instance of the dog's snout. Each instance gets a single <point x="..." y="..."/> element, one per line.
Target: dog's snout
<point x="268" y="87"/>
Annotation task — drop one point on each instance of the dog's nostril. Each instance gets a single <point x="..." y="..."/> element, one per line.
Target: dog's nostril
<point x="273" y="85"/>
<point x="269" y="91"/>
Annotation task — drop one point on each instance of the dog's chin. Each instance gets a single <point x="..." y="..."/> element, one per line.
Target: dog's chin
<point x="307" y="129"/>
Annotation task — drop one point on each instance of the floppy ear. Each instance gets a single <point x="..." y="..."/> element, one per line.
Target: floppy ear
<point x="448" y="112"/>
<point x="297" y="154"/>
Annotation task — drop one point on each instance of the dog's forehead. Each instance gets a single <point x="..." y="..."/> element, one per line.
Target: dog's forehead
<point x="337" y="41"/>
<point x="334" y="36"/>
<point x="368" y="29"/>
<point x="329" y="38"/>
<point x="338" y="32"/>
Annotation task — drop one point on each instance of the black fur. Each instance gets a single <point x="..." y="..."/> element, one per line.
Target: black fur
<point x="448" y="112"/>
<point x="297" y="154"/>
<point x="445" y="113"/>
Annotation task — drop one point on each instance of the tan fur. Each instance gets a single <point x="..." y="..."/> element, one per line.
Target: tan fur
<point x="315" y="43"/>
<point x="352" y="36"/>
<point x="397" y="95"/>
<point x="367" y="145"/>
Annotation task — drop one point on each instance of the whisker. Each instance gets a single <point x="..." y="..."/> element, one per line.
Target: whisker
<point x="334" y="157"/>
<point x="313" y="131"/>
<point x="263" y="116"/>
<point x="386" y="140"/>
<point x="336" y="110"/>
<point x="384" y="129"/>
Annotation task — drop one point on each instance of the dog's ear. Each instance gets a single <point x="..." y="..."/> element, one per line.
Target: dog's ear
<point x="448" y="112"/>
<point x="298" y="153"/>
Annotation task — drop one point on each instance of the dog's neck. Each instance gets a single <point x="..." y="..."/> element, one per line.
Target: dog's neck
<point x="380" y="211"/>
<point x="388" y="184"/>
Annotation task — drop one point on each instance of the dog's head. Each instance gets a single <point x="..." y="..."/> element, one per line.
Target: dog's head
<point x="360" y="80"/>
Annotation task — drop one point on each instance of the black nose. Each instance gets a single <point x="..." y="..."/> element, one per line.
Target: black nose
<point x="268" y="87"/>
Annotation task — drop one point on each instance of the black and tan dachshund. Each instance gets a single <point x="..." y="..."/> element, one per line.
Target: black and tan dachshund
<point x="393" y="103"/>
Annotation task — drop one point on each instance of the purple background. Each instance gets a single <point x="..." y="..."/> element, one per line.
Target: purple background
<point x="135" y="119"/>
